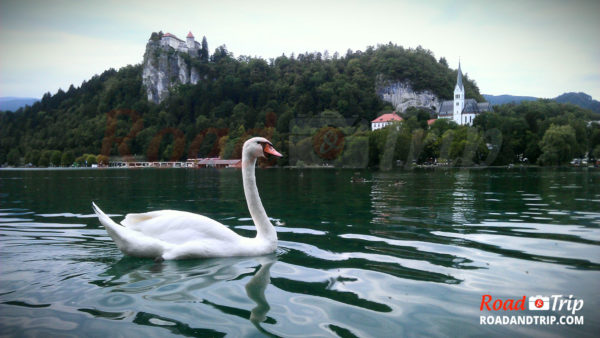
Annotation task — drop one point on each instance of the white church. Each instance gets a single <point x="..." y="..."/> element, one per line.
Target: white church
<point x="460" y="110"/>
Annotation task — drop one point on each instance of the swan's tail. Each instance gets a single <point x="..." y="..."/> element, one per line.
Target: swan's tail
<point x="128" y="241"/>
<point x="115" y="231"/>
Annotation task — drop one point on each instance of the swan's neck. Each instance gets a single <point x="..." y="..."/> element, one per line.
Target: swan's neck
<point x="264" y="228"/>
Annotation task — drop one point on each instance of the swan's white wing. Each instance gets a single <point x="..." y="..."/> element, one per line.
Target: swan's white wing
<point x="131" y="242"/>
<point x="179" y="227"/>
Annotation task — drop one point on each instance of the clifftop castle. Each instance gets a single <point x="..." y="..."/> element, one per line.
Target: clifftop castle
<point x="189" y="45"/>
<point x="163" y="69"/>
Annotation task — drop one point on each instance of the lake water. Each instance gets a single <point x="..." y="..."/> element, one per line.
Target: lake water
<point x="372" y="259"/>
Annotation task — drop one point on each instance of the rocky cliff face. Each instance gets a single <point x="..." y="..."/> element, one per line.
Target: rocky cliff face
<point x="402" y="96"/>
<point x="163" y="68"/>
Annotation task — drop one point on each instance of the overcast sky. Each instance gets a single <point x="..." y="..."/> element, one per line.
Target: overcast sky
<point x="527" y="47"/>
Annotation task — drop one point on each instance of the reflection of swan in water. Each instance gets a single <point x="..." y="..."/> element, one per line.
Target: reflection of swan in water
<point x="193" y="273"/>
<point x="255" y="289"/>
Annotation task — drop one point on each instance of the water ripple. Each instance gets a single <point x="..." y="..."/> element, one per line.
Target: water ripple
<point x="375" y="259"/>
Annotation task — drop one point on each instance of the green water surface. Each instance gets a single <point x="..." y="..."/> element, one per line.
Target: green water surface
<point x="406" y="253"/>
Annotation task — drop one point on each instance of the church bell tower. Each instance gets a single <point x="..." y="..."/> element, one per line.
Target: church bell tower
<point x="459" y="97"/>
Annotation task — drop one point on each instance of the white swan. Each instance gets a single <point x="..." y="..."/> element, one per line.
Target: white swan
<point x="170" y="234"/>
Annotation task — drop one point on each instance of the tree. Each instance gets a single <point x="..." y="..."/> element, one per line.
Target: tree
<point x="431" y="147"/>
<point x="103" y="160"/>
<point x="14" y="157"/>
<point x="55" y="158"/>
<point x="594" y="140"/>
<point x="238" y="115"/>
<point x="283" y="123"/>
<point x="154" y="36"/>
<point x="80" y="161"/>
<point x="33" y="157"/>
<point x="44" y="158"/>
<point x="440" y="126"/>
<point x="596" y="153"/>
<point x="221" y="53"/>
<point x="421" y="116"/>
<point x="67" y="159"/>
<point x="443" y="62"/>
<point x="557" y="145"/>
<point x="91" y="159"/>
<point x="204" y="50"/>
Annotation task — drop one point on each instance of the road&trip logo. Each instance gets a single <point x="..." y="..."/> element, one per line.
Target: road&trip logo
<point x="553" y="310"/>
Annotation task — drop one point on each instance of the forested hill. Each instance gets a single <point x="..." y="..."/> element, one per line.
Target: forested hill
<point x="582" y="100"/>
<point x="234" y="94"/>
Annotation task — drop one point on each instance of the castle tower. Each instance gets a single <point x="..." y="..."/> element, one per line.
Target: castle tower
<point x="459" y="97"/>
<point x="191" y="43"/>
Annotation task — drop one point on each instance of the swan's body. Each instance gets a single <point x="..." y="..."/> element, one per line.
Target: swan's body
<point x="170" y="234"/>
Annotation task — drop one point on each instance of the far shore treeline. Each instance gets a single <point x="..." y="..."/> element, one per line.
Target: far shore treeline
<point x="108" y="117"/>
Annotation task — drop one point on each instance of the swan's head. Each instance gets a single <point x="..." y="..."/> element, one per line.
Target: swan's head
<point x="259" y="147"/>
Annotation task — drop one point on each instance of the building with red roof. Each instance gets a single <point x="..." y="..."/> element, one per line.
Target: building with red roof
<point x="189" y="45"/>
<point x="215" y="162"/>
<point x="385" y="120"/>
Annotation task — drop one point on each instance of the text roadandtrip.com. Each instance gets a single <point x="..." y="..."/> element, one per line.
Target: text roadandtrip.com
<point x="554" y="303"/>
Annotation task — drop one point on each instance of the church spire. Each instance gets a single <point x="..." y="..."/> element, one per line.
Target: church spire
<point x="459" y="83"/>
<point x="459" y="98"/>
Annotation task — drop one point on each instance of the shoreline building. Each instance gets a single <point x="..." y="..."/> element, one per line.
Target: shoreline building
<point x="385" y="120"/>
<point x="461" y="110"/>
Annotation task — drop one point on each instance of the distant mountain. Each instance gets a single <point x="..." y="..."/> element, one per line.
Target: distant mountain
<point x="580" y="99"/>
<point x="502" y="99"/>
<point x="11" y="103"/>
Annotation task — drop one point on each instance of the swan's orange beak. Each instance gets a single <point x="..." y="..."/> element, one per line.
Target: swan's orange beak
<point x="268" y="149"/>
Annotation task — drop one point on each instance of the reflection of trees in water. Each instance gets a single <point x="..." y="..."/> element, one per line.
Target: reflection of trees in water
<point x="462" y="198"/>
<point x="445" y="206"/>
<point x="406" y="217"/>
